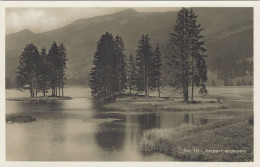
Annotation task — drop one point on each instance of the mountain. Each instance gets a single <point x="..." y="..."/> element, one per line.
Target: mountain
<point x="223" y="26"/>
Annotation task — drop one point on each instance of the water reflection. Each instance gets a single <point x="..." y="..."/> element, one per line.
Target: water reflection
<point x="81" y="130"/>
<point x="110" y="134"/>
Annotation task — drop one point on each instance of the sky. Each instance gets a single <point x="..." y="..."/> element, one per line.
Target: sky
<point x="45" y="19"/>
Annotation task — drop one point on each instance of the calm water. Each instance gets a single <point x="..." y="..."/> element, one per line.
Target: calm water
<point x="78" y="130"/>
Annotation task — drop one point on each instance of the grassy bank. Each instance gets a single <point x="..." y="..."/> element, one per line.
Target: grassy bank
<point x="139" y="103"/>
<point x="180" y="142"/>
<point x="40" y="99"/>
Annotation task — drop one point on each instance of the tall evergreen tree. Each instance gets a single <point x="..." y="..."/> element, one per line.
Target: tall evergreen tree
<point x="120" y="64"/>
<point x="186" y="53"/>
<point x="180" y="51"/>
<point x="198" y="63"/>
<point x="54" y="66"/>
<point x="63" y="67"/>
<point x="28" y="69"/>
<point x="44" y="72"/>
<point x="131" y="73"/>
<point x="156" y="62"/>
<point x="144" y="65"/>
<point x="104" y="80"/>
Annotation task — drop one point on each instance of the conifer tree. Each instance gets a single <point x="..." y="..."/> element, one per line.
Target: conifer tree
<point x="186" y="58"/>
<point x="144" y="65"/>
<point x="131" y="73"/>
<point x="198" y="63"/>
<point x="120" y="64"/>
<point x="28" y="69"/>
<point x="104" y="80"/>
<point x="63" y="67"/>
<point x="180" y="52"/>
<point x="44" y="72"/>
<point x="54" y="66"/>
<point x="156" y="62"/>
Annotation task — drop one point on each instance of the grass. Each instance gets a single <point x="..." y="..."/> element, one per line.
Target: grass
<point x="231" y="110"/>
<point x="137" y="103"/>
<point x="180" y="142"/>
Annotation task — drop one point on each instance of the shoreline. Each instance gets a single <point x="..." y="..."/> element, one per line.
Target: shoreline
<point x="203" y="142"/>
<point x="40" y="99"/>
<point x="172" y="104"/>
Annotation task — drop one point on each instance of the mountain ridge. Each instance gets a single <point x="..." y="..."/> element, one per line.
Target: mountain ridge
<point x="80" y="37"/>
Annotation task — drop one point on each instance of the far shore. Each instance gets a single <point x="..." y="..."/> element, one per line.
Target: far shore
<point x="40" y="98"/>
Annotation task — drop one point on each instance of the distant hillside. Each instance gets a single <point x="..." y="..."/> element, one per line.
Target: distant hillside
<point x="228" y="33"/>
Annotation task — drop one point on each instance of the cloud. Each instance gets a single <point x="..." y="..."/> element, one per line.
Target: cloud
<point x="36" y="20"/>
<point x="44" y="19"/>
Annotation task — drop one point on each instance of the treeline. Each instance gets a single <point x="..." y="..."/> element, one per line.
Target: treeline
<point x="112" y="74"/>
<point x="186" y="64"/>
<point x="242" y="82"/>
<point x="41" y="71"/>
<point x="239" y="69"/>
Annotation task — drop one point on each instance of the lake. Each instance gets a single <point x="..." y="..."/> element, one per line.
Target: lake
<point x="79" y="130"/>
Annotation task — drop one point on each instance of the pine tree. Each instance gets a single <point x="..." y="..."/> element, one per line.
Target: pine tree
<point x="186" y="56"/>
<point x="198" y="64"/>
<point x="156" y="62"/>
<point x="131" y="73"/>
<point x="104" y="74"/>
<point x="144" y="65"/>
<point x="63" y="67"/>
<point x="54" y="66"/>
<point x="28" y="69"/>
<point x="43" y="81"/>
<point x="120" y="64"/>
<point x="180" y="52"/>
<point x="140" y="66"/>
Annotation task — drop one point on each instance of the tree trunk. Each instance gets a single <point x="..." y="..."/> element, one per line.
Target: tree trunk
<point x="31" y="90"/>
<point x="192" y="78"/>
<point x="59" y="87"/>
<point x="159" y="92"/>
<point x="145" y="90"/>
<point x="130" y="87"/>
<point x="56" y="90"/>
<point x="147" y="84"/>
<point x="62" y="87"/>
<point x="36" y="87"/>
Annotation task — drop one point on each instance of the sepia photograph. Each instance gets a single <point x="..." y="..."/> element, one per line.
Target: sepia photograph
<point x="168" y="84"/>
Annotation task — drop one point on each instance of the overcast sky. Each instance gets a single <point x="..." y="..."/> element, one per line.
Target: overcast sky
<point x="45" y="19"/>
